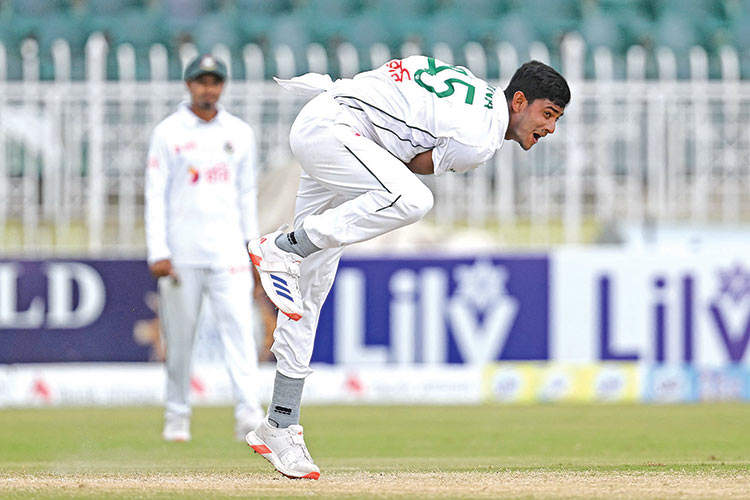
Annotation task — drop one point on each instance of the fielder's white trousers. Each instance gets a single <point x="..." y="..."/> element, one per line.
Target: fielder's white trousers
<point x="229" y="291"/>
<point x="350" y="190"/>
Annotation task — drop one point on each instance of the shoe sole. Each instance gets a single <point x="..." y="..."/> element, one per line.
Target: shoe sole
<point x="176" y="439"/>
<point x="259" y="446"/>
<point x="265" y="280"/>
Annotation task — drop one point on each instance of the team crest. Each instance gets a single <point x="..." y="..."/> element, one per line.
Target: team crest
<point x="208" y="63"/>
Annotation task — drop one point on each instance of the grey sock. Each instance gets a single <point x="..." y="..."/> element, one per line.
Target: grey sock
<point x="297" y="242"/>
<point x="285" y="402"/>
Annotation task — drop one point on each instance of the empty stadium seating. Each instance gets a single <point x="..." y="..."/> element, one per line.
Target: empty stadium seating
<point x="614" y="24"/>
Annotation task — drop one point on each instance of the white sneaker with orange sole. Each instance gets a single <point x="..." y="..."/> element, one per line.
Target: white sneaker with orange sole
<point x="176" y="429"/>
<point x="279" y="273"/>
<point x="285" y="449"/>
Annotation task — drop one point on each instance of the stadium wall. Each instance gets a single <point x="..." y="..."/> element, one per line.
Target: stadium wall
<point x="572" y="324"/>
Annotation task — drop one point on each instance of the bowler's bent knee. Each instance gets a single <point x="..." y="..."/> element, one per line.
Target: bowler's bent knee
<point x="416" y="203"/>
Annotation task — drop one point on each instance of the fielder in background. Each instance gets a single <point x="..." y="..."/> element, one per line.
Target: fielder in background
<point x="201" y="209"/>
<point x="360" y="143"/>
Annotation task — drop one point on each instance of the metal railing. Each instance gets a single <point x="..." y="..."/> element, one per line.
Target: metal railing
<point x="664" y="151"/>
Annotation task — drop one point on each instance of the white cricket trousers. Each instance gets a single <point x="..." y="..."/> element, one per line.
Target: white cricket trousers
<point x="350" y="190"/>
<point x="229" y="291"/>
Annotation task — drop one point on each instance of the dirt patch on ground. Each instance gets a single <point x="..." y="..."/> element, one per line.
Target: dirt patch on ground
<point x="411" y="485"/>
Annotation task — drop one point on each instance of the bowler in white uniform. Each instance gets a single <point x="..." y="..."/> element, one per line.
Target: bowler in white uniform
<point x="201" y="209"/>
<point x="360" y="143"/>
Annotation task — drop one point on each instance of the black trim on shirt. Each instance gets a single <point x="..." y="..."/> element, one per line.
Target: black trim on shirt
<point x="385" y="113"/>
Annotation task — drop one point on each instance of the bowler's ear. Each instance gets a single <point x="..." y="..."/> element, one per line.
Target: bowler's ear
<point x="518" y="102"/>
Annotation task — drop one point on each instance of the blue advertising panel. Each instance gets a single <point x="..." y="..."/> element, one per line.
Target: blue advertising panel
<point x="439" y="310"/>
<point x="80" y="311"/>
<point x="379" y="311"/>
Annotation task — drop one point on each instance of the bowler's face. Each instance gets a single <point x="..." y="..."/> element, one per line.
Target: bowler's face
<point x="205" y="91"/>
<point x="531" y="121"/>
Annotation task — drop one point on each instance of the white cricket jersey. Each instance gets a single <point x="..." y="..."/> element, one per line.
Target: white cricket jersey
<point x="418" y="103"/>
<point x="201" y="194"/>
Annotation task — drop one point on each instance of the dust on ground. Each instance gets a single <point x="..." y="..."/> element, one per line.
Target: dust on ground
<point x="496" y="484"/>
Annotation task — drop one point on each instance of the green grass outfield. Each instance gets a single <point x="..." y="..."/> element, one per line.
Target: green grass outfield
<point x="490" y="451"/>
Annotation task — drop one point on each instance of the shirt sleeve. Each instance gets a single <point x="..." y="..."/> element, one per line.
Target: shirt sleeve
<point x="155" y="198"/>
<point x="450" y="155"/>
<point x="248" y="188"/>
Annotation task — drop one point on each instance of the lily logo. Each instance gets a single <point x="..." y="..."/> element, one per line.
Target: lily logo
<point x="194" y="175"/>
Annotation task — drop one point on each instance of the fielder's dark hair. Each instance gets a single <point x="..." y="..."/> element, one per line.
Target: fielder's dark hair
<point x="538" y="81"/>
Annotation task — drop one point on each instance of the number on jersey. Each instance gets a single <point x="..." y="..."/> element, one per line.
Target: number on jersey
<point x="444" y="85"/>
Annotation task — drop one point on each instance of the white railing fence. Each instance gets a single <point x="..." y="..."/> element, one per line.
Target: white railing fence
<point x="634" y="151"/>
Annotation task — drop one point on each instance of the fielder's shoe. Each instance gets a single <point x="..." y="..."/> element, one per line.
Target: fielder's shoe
<point x="279" y="273"/>
<point x="176" y="429"/>
<point x="285" y="449"/>
<point x="246" y="422"/>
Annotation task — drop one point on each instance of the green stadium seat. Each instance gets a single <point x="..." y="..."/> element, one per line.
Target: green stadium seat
<point x="695" y="10"/>
<point x="222" y="27"/>
<point x="141" y="29"/>
<point x="13" y="28"/>
<point x="599" y="30"/>
<point x="254" y="29"/>
<point x="112" y="7"/>
<point x="738" y="35"/>
<point x="69" y="26"/>
<point x="366" y="29"/>
<point x="263" y="7"/>
<point x="446" y="27"/>
<point x="183" y="15"/>
<point x="476" y="9"/>
<point x="377" y="25"/>
<point x="10" y="37"/>
<point x="292" y="31"/>
<point x="616" y="24"/>
<point x="404" y="8"/>
<point x="477" y="17"/>
<point x="560" y="17"/>
<point x="37" y="7"/>
<point x="217" y="27"/>
<point x="329" y="8"/>
<point x="519" y="31"/>
<point x="675" y="31"/>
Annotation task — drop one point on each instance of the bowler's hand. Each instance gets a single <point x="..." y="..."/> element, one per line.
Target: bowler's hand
<point x="162" y="268"/>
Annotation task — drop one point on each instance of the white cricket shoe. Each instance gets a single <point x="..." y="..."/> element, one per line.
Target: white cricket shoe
<point x="279" y="273"/>
<point x="176" y="429"/>
<point x="285" y="449"/>
<point x="246" y="422"/>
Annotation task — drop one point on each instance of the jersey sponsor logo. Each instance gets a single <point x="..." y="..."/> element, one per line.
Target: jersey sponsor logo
<point x="194" y="174"/>
<point x="219" y="173"/>
<point x="436" y="311"/>
<point x="397" y="70"/>
<point x="54" y="295"/>
<point x="188" y="146"/>
<point x="216" y="174"/>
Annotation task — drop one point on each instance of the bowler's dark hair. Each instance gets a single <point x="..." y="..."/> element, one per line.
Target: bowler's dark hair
<point x="538" y="81"/>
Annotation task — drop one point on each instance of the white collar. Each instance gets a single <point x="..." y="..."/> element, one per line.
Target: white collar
<point x="503" y="116"/>
<point x="191" y="119"/>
